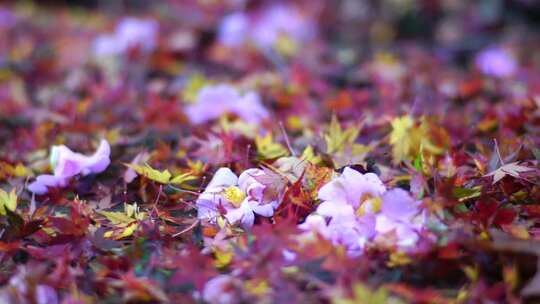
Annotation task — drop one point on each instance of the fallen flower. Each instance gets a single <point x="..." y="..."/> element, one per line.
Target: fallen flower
<point x="129" y="33"/>
<point x="216" y="100"/>
<point x="67" y="164"/>
<point x="222" y="289"/>
<point x="496" y="62"/>
<point x="357" y="208"/>
<point x="276" y="26"/>
<point x="8" y="201"/>
<point x="400" y="214"/>
<point x="238" y="198"/>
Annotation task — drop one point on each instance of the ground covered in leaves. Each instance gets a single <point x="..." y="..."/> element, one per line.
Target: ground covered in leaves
<point x="270" y="152"/>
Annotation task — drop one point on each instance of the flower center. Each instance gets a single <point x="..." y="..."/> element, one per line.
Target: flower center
<point x="234" y="195"/>
<point x="368" y="203"/>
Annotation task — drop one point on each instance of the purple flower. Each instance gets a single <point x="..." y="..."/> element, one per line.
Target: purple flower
<point x="282" y="20"/>
<point x="129" y="33"/>
<point x="400" y="214"/>
<point x="45" y="294"/>
<point x="7" y="18"/>
<point x="234" y="29"/>
<point x="240" y="197"/>
<point x="351" y="190"/>
<point x="215" y="100"/>
<point x="496" y="62"/>
<point x="267" y="27"/>
<point x="356" y="208"/>
<point x="67" y="164"/>
<point x="222" y="289"/>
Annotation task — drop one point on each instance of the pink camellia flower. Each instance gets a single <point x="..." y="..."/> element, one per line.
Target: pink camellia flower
<point x="356" y="208"/>
<point x="267" y="27"/>
<point x="234" y="29"/>
<point x="496" y="62"/>
<point x="215" y="100"/>
<point x="237" y="198"/>
<point x="67" y="164"/>
<point x="400" y="214"/>
<point x="345" y="230"/>
<point x="282" y="20"/>
<point x="222" y="289"/>
<point x="130" y="32"/>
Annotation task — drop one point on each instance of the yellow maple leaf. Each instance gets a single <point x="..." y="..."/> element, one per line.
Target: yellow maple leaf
<point x="19" y="170"/>
<point x="309" y="155"/>
<point x="192" y="88"/>
<point x="7" y="201"/>
<point x="182" y="178"/>
<point x="249" y="130"/>
<point x="197" y="167"/>
<point x="162" y="177"/>
<point x="398" y="259"/>
<point x="125" y="223"/>
<point x="365" y="294"/>
<point x="257" y="287"/>
<point x="411" y="139"/>
<point x="223" y="256"/>
<point x="268" y="149"/>
<point x="337" y="139"/>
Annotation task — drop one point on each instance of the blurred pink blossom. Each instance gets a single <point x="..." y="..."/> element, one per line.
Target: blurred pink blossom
<point x="266" y="27"/>
<point x="67" y="164"/>
<point x="496" y="62"/>
<point x="215" y="100"/>
<point x="222" y="289"/>
<point x="130" y="32"/>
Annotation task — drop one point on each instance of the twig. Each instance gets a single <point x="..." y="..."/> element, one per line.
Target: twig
<point x="187" y="229"/>
<point x="287" y="142"/>
<point x="498" y="151"/>
<point x="183" y="190"/>
<point x="154" y="208"/>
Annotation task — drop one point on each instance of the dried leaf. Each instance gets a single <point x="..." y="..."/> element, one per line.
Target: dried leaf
<point x="512" y="169"/>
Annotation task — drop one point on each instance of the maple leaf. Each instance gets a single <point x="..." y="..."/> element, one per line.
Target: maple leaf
<point x="182" y="178"/>
<point x="401" y="138"/>
<point x="309" y="155"/>
<point x="274" y="181"/>
<point x="268" y="149"/>
<point x="7" y="201"/>
<point x="337" y="139"/>
<point x="512" y="169"/>
<point x="162" y="177"/>
<point x="192" y="87"/>
<point x="124" y="223"/>
<point x="363" y="294"/>
<point x="8" y="170"/>
<point x="410" y="139"/>
<point x="340" y="143"/>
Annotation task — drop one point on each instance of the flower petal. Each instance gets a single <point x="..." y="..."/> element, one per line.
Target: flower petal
<point x="266" y="210"/>
<point x="223" y="177"/>
<point x="398" y="204"/>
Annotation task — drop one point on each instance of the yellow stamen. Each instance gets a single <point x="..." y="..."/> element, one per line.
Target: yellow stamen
<point x="374" y="204"/>
<point x="234" y="195"/>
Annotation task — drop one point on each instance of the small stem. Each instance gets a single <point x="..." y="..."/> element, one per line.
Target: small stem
<point x="187" y="229"/>
<point x="183" y="190"/>
<point x="498" y="151"/>
<point x="286" y="139"/>
<point x="154" y="208"/>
